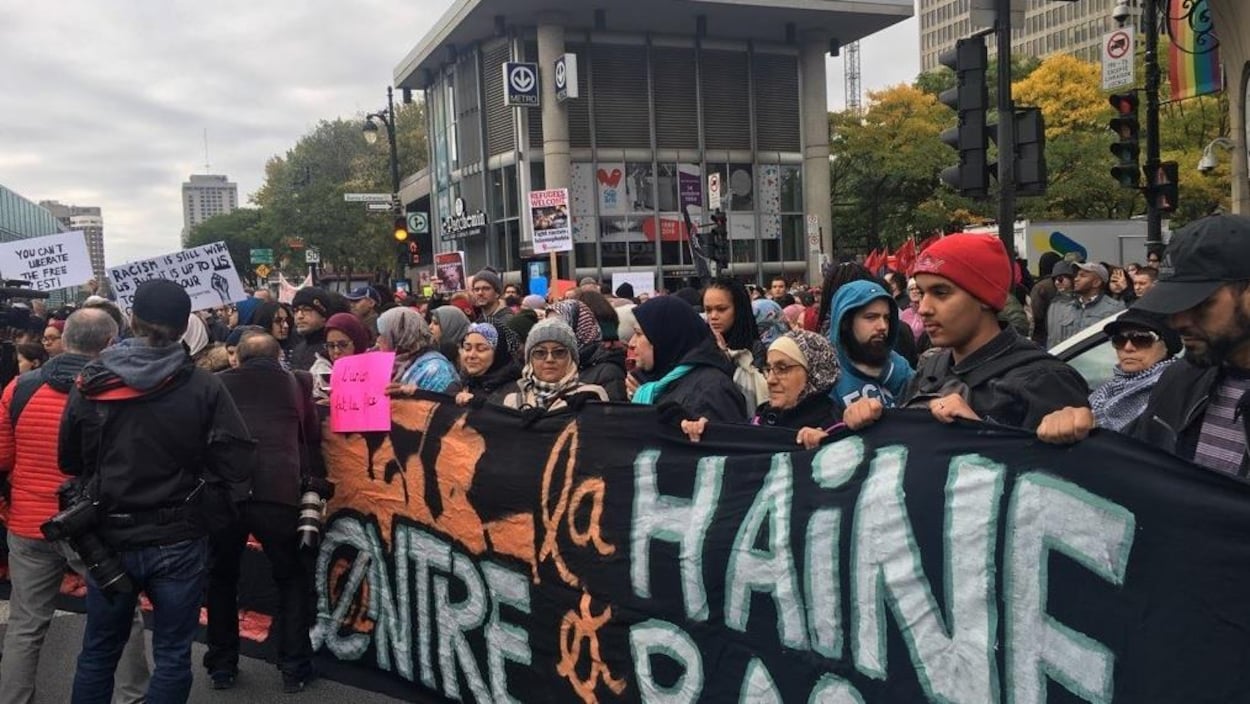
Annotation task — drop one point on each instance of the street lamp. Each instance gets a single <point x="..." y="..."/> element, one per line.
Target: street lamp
<point x="1208" y="162"/>
<point x="370" y="132"/>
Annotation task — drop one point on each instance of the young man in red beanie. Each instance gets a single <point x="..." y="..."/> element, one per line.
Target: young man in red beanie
<point x="984" y="371"/>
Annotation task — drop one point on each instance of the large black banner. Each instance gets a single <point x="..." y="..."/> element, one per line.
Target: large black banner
<point x="599" y="557"/>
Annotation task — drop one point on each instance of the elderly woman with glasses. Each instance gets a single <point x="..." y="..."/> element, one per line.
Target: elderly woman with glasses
<point x="1144" y="347"/>
<point x="549" y="380"/>
<point x="802" y="368"/>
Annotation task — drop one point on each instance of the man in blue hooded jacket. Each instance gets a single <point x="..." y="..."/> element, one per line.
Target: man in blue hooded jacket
<point x="864" y="331"/>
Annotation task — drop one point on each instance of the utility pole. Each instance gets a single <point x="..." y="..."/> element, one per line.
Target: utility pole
<point x="1006" y="131"/>
<point x="1154" y="217"/>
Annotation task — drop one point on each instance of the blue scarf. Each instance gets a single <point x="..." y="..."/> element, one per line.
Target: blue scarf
<point x="650" y="391"/>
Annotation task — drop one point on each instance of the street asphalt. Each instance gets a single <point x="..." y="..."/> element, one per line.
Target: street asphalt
<point x="258" y="680"/>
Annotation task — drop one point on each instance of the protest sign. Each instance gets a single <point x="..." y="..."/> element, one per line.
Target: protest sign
<point x="48" y="263"/>
<point x="642" y="281"/>
<point x="207" y="273"/>
<point x="358" y="401"/>
<point x="485" y="555"/>
<point x="549" y="214"/>
<point x="449" y="266"/>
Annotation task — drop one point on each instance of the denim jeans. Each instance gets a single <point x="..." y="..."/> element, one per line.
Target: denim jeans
<point x="36" y="568"/>
<point x="173" y="578"/>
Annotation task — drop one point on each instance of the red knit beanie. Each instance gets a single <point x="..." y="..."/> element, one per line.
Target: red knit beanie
<point x="976" y="263"/>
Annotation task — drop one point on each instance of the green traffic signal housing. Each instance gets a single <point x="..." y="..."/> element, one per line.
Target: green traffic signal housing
<point x="1127" y="147"/>
<point x="970" y="100"/>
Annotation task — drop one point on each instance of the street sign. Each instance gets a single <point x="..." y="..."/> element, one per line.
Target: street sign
<point x="262" y="256"/>
<point x="520" y="85"/>
<point x="312" y="255"/>
<point x="379" y="207"/>
<point x="262" y="270"/>
<point x="419" y="223"/>
<point x="1117" y="59"/>
<point x="813" y="234"/>
<point x="713" y="191"/>
<point x="566" y="77"/>
<point x="295" y="242"/>
<point x="368" y="197"/>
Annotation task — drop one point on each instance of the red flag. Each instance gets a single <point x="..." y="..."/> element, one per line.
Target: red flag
<point x="873" y="261"/>
<point x="907" y="256"/>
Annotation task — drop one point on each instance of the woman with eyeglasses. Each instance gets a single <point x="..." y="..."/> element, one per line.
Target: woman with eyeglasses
<point x="1144" y="346"/>
<point x="549" y="379"/>
<point x="484" y="368"/>
<point x="52" y="337"/>
<point x="278" y="320"/>
<point x="802" y="368"/>
<point x="419" y="366"/>
<point x="345" y="336"/>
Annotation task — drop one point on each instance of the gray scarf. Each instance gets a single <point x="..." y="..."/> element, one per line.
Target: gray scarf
<point x="1122" y="399"/>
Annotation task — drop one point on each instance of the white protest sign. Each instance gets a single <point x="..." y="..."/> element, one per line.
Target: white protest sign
<point x="48" y="263"/>
<point x="207" y="273"/>
<point x="549" y="213"/>
<point x="642" y="281"/>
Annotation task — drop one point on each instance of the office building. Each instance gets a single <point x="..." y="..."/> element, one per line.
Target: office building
<point x="204" y="196"/>
<point x="1049" y="27"/>
<point x="670" y="91"/>
<point x="89" y="220"/>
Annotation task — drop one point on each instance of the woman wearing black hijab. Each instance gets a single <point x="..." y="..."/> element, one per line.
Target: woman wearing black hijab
<point x="679" y="362"/>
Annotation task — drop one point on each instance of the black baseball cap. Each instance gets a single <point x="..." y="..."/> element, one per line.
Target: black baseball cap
<point x="1202" y="256"/>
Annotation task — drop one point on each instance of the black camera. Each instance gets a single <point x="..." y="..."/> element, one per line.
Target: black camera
<point x="316" y="492"/>
<point x="76" y="524"/>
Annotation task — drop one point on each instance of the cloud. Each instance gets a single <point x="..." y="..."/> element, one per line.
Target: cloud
<point x="106" y="103"/>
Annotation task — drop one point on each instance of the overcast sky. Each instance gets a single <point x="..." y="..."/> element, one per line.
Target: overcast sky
<point x="106" y="103"/>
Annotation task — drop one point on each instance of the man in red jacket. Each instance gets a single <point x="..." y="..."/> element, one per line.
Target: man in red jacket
<point x="30" y="418"/>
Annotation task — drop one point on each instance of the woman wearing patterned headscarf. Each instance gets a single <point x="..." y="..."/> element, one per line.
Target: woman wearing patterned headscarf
<point x="484" y="368"/>
<point x="598" y="365"/>
<point x="802" y="367"/>
<point x="418" y="365"/>
<point x="549" y="380"/>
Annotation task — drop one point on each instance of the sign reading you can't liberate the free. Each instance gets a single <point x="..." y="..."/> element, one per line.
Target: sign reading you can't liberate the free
<point x="48" y="263"/>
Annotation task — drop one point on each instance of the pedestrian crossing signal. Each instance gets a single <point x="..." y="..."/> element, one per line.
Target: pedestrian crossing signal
<point x="1165" y="186"/>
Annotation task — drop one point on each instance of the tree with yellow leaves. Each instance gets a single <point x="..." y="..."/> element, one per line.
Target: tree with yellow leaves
<point x="1069" y="93"/>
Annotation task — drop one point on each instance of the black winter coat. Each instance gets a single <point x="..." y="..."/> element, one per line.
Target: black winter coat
<point x="1009" y="381"/>
<point x="604" y="366"/>
<point x="144" y="427"/>
<point x="281" y="418"/>
<point x="1173" y="417"/>
<point x="306" y="350"/>
<point x="485" y="386"/>
<point x="815" y="411"/>
<point x="708" y="390"/>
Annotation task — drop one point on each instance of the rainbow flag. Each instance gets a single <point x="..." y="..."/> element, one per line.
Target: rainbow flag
<point x="1193" y="54"/>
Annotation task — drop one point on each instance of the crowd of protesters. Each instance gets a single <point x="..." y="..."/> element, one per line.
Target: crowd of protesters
<point x="192" y="430"/>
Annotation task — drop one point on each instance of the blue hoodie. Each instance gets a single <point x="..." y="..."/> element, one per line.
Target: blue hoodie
<point x="853" y="383"/>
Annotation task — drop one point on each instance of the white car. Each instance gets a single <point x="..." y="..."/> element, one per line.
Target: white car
<point x="1090" y="353"/>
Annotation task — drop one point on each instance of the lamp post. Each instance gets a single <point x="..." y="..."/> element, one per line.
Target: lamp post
<point x="370" y="131"/>
<point x="1208" y="162"/>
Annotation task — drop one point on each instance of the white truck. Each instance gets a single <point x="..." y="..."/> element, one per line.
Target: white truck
<point x="1111" y="241"/>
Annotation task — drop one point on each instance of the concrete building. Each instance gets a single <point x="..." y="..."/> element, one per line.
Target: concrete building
<point x="204" y="196"/>
<point x="1232" y="24"/>
<point x="670" y="91"/>
<point x="89" y="220"/>
<point x="1049" y="27"/>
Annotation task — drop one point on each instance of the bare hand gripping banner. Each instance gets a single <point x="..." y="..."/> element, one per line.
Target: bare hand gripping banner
<point x="597" y="556"/>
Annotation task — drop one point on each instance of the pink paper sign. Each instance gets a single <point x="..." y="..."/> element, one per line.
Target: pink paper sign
<point x="358" y="401"/>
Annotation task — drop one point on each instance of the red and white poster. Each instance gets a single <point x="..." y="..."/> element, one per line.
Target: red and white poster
<point x="549" y="213"/>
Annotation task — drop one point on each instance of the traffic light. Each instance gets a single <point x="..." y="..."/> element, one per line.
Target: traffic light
<point x="718" y="242"/>
<point x="1164" y="186"/>
<point x="1030" y="152"/>
<point x="970" y="100"/>
<point x="401" y="229"/>
<point x="1126" y="148"/>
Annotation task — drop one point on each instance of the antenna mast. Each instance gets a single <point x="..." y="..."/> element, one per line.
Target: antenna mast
<point x="207" y="165"/>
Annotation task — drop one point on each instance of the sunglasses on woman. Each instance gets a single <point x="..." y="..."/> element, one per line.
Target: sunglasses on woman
<point x="1140" y="339"/>
<point x="556" y="353"/>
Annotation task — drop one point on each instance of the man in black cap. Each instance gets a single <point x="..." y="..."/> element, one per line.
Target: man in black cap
<point x="1199" y="410"/>
<point x="313" y="306"/>
<point x="162" y="455"/>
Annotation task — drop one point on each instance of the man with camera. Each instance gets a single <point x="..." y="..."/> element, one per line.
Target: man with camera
<point x="289" y="490"/>
<point x="30" y="417"/>
<point x="163" y="456"/>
